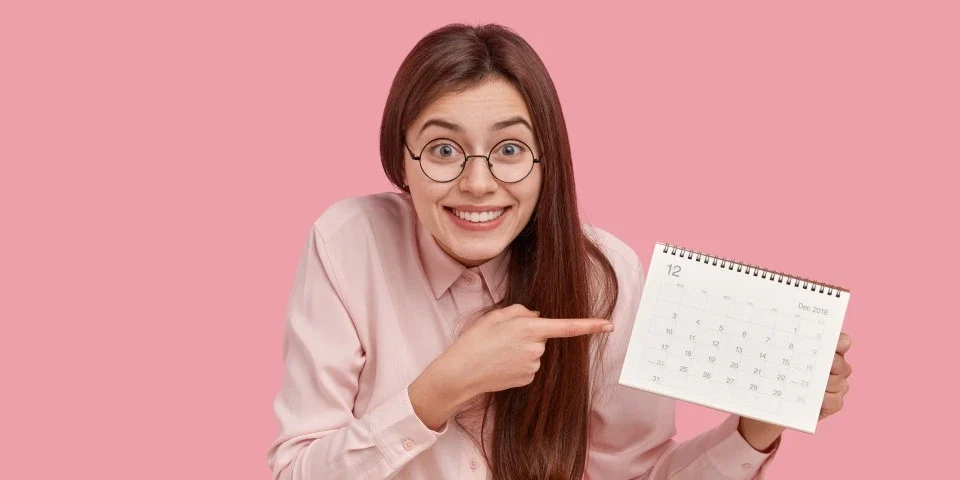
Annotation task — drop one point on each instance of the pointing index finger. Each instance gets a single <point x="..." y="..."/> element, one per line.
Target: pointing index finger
<point x="569" y="327"/>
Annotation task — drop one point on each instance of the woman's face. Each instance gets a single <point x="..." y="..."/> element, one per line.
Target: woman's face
<point x="475" y="216"/>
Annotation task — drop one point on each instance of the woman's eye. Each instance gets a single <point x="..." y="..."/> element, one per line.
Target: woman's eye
<point x="444" y="150"/>
<point x="510" y="149"/>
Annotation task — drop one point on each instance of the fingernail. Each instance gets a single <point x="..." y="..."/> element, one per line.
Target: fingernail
<point x="608" y="327"/>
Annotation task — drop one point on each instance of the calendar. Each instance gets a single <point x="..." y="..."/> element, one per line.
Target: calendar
<point x="734" y="337"/>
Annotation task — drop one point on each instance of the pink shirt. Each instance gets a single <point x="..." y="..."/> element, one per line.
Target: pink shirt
<point x="375" y="300"/>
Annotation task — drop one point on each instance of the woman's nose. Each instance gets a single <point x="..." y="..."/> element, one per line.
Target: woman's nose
<point x="477" y="177"/>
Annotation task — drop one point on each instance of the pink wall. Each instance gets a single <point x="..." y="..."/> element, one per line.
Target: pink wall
<point x="161" y="164"/>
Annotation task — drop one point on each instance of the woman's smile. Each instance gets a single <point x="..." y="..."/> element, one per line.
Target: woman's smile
<point x="476" y="218"/>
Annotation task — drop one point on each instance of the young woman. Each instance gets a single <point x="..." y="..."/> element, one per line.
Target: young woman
<point x="470" y="326"/>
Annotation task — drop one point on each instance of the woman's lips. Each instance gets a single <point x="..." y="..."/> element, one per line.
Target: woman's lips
<point x="477" y="213"/>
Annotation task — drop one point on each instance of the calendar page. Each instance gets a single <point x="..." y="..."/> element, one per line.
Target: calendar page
<point x="735" y="338"/>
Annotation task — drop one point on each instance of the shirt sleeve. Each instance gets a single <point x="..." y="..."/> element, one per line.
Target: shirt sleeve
<point x="631" y="431"/>
<point x="319" y="437"/>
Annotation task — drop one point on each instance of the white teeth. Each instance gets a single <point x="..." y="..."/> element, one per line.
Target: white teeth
<point x="479" y="217"/>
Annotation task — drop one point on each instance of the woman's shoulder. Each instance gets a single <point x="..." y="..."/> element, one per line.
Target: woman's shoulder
<point x="623" y="257"/>
<point x="367" y="240"/>
<point x="354" y="218"/>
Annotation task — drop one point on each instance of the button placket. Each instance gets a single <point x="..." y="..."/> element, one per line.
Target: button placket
<point x="468" y="293"/>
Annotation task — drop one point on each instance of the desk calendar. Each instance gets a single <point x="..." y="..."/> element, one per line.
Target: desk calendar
<point x="734" y="337"/>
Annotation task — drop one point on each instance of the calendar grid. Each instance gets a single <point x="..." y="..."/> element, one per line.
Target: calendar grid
<point x="763" y="384"/>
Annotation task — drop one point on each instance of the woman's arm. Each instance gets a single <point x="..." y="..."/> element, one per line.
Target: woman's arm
<point x="319" y="437"/>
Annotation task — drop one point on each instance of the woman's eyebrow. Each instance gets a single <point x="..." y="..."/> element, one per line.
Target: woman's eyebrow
<point x="510" y="122"/>
<point x="439" y="122"/>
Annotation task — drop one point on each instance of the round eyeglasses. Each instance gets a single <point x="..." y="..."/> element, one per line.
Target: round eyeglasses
<point x="443" y="160"/>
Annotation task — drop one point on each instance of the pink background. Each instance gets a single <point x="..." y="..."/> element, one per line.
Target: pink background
<point x="161" y="164"/>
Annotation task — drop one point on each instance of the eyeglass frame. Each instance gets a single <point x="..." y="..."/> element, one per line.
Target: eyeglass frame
<point x="467" y="158"/>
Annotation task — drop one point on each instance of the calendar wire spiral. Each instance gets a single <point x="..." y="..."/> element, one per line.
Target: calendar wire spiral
<point x="757" y="270"/>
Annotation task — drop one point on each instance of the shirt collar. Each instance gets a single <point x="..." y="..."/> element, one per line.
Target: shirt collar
<point x="442" y="270"/>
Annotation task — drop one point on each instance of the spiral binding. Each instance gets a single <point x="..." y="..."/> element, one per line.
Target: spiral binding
<point x="758" y="271"/>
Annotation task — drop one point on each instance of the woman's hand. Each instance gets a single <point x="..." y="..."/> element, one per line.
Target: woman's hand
<point x="501" y="350"/>
<point x="761" y="435"/>
<point x="837" y="384"/>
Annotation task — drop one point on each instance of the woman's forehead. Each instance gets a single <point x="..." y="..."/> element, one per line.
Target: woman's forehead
<point x="477" y="109"/>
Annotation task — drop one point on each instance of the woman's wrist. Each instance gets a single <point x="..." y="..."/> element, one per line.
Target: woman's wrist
<point x="436" y="394"/>
<point x="760" y="435"/>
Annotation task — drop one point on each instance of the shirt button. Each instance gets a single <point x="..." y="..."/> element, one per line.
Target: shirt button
<point x="746" y="466"/>
<point x="407" y="444"/>
<point x="468" y="280"/>
<point x="473" y="465"/>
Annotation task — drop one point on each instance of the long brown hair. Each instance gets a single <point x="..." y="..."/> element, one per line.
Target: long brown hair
<point x="539" y="431"/>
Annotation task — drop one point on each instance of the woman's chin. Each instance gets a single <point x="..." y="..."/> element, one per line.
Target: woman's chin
<point x="477" y="254"/>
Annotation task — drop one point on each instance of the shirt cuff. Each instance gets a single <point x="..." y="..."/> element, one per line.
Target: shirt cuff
<point x="398" y="431"/>
<point x="734" y="457"/>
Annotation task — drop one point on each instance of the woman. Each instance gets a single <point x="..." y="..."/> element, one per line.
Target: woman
<point x="470" y="326"/>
